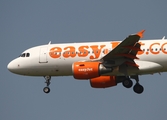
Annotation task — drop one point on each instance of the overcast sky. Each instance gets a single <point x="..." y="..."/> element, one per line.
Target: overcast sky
<point x="24" y="24"/>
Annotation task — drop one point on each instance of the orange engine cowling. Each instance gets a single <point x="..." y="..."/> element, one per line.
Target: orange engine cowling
<point x="88" y="70"/>
<point x="103" y="82"/>
<point x="85" y="70"/>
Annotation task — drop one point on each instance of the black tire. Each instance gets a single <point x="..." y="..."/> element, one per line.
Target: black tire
<point x="127" y="83"/>
<point x="46" y="89"/>
<point x="138" y="88"/>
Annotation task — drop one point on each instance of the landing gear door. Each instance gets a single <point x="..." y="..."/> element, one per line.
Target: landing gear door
<point x="43" y="55"/>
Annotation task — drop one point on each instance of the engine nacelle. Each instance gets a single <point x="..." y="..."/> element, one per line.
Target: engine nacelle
<point x="103" y="82"/>
<point x="88" y="70"/>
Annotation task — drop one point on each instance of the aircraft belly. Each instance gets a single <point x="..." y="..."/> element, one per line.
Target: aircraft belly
<point x="52" y="71"/>
<point x="145" y="67"/>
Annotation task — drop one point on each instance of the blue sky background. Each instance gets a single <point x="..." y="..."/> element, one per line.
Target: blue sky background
<point x="24" y="24"/>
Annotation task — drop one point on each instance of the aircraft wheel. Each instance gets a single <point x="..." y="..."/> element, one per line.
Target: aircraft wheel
<point x="127" y="83"/>
<point x="46" y="89"/>
<point x="138" y="88"/>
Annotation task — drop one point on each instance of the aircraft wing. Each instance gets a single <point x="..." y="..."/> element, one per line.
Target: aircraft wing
<point x="126" y="51"/>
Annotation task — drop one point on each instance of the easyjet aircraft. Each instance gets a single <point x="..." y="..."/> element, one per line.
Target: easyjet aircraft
<point x="104" y="64"/>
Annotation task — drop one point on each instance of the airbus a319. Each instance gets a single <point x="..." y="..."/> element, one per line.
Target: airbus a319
<point x="104" y="64"/>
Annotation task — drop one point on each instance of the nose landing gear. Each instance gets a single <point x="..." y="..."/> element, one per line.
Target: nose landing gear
<point x="47" y="89"/>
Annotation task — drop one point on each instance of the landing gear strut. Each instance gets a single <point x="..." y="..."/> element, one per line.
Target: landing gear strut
<point x="47" y="89"/>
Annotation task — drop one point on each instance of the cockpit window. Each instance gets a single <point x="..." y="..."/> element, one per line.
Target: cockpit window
<point x="22" y="55"/>
<point x="28" y="55"/>
<point x="25" y="55"/>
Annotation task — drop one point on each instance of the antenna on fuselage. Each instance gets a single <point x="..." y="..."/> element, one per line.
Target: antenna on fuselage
<point x="49" y="43"/>
<point x="163" y="38"/>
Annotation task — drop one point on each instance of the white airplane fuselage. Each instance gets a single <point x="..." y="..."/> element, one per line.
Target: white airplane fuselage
<point x="104" y="64"/>
<point x="57" y="59"/>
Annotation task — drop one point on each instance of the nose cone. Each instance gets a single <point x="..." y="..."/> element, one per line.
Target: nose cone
<point x="12" y="67"/>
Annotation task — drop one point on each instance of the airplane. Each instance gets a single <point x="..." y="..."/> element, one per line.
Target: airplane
<point x="104" y="64"/>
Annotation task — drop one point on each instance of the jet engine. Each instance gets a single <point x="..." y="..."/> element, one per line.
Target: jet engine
<point x="88" y="70"/>
<point x="103" y="82"/>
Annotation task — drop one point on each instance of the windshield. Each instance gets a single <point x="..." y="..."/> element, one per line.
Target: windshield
<point x="25" y="55"/>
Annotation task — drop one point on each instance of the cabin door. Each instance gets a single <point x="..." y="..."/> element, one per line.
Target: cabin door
<point x="43" y="55"/>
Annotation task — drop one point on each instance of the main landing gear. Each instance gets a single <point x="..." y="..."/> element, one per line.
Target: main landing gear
<point x="47" y="89"/>
<point x="137" y="88"/>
